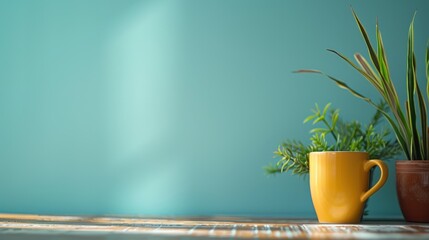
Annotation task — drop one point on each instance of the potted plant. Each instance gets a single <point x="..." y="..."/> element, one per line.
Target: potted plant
<point x="336" y="136"/>
<point x="409" y="123"/>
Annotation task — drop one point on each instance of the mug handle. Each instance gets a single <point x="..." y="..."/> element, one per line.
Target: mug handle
<point x="383" y="177"/>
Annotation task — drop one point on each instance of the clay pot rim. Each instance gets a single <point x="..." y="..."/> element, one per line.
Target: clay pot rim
<point x="413" y="165"/>
<point x="406" y="162"/>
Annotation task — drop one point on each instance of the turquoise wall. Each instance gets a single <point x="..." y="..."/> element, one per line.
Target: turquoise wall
<point x="173" y="107"/>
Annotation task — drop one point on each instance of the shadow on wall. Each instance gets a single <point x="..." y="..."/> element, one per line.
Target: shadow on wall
<point x="190" y="109"/>
<point x="143" y="103"/>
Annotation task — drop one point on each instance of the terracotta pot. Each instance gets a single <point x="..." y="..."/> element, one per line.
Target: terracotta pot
<point x="412" y="187"/>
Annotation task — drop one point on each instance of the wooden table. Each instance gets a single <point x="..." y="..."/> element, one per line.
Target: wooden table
<point x="20" y="226"/>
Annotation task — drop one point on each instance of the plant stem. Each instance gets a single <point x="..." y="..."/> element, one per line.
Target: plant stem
<point x="331" y="129"/>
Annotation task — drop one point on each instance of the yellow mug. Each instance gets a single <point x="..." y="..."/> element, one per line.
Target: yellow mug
<point x="339" y="183"/>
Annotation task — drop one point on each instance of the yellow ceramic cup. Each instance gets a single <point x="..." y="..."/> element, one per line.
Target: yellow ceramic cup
<point x="339" y="183"/>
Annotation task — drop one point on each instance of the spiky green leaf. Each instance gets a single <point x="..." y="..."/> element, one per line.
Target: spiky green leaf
<point x="367" y="41"/>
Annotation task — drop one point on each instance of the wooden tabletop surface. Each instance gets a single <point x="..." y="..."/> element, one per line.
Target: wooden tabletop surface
<point x="24" y="226"/>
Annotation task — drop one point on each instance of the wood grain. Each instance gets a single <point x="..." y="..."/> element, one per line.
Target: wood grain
<point x="21" y="226"/>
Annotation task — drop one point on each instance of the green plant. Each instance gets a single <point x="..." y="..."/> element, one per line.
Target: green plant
<point x="409" y="123"/>
<point x="335" y="134"/>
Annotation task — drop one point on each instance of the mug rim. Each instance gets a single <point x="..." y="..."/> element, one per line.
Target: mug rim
<point x="338" y="152"/>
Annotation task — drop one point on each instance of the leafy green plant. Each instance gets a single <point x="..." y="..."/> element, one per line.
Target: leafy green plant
<point x="334" y="134"/>
<point x="409" y="123"/>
